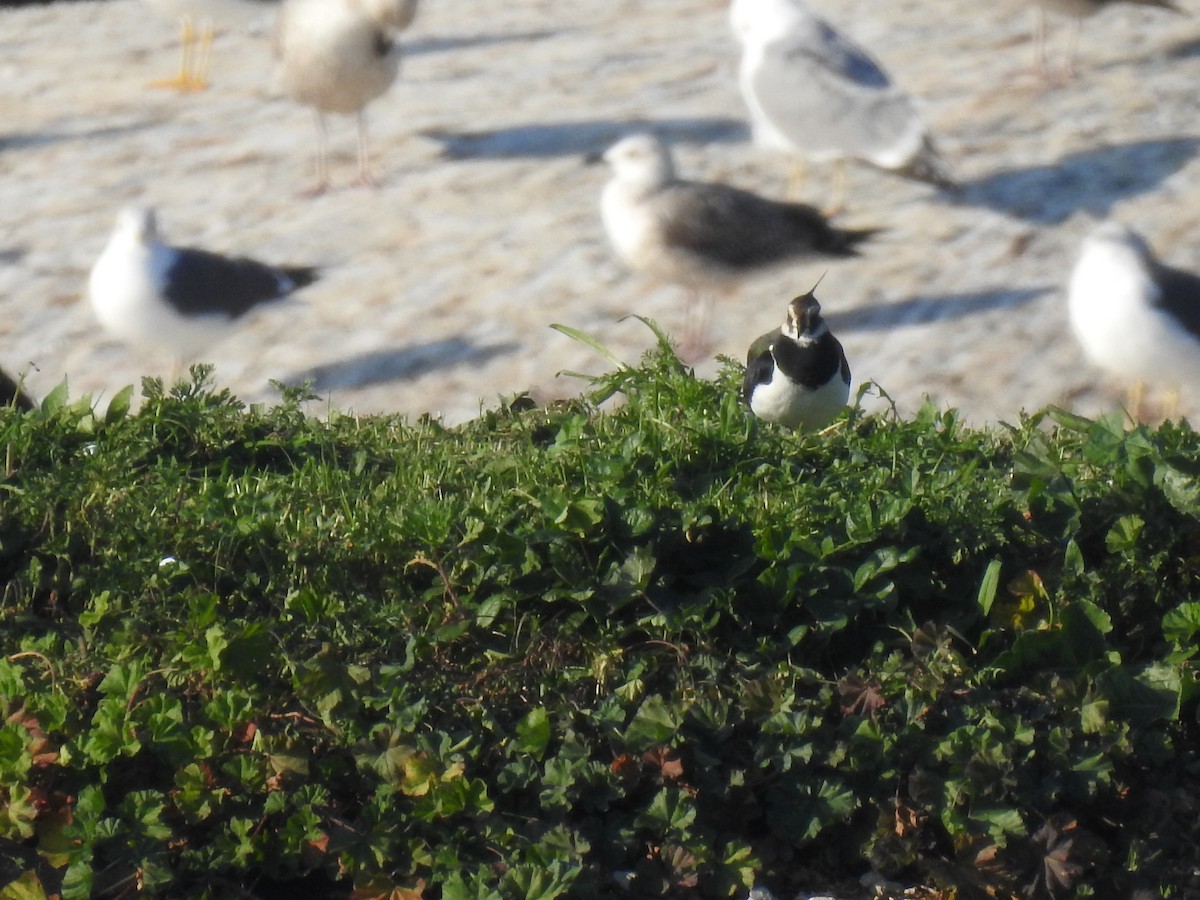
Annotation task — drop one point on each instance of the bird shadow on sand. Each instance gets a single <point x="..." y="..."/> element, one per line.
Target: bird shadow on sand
<point x="1185" y="49"/>
<point x="26" y="141"/>
<point x="446" y="44"/>
<point x="1092" y="180"/>
<point x="397" y="364"/>
<point x="925" y="310"/>
<point x="545" y="139"/>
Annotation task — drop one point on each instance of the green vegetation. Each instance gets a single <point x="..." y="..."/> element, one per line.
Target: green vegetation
<point x="248" y="653"/>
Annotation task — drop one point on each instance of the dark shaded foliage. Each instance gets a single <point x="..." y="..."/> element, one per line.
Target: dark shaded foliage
<point x="244" y="652"/>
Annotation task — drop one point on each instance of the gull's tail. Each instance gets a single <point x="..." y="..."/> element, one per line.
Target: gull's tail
<point x="929" y="167"/>
<point x="1161" y="4"/>
<point x="836" y="241"/>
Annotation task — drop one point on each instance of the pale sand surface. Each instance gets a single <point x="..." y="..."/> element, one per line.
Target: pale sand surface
<point x="440" y="286"/>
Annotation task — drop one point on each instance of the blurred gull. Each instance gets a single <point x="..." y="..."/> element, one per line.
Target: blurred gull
<point x="1078" y="10"/>
<point x="1135" y="317"/>
<point x="813" y="93"/>
<point x="704" y="236"/>
<point x="337" y="56"/>
<point x="178" y="299"/>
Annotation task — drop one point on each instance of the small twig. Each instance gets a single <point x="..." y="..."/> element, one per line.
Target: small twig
<point x="680" y="652"/>
<point x="25" y="654"/>
<point x="437" y="567"/>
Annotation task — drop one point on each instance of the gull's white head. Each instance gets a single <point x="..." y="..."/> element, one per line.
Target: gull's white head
<point x="1111" y="278"/>
<point x="1116" y="240"/>
<point x="641" y="160"/>
<point x="394" y="14"/>
<point x="1119" y="312"/>
<point x="757" y="20"/>
<point x="137" y="223"/>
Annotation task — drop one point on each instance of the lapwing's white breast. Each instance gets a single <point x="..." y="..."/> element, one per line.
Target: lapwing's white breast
<point x="792" y="405"/>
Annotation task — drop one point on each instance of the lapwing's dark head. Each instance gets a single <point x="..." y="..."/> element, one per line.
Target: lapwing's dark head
<point x="804" y="322"/>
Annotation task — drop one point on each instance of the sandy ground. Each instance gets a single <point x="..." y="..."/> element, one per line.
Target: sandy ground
<point x="440" y="286"/>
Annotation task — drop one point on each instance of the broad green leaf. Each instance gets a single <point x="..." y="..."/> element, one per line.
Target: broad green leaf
<point x="988" y="586"/>
<point x="1123" y="535"/>
<point x="1181" y="623"/>
<point x="26" y="887"/>
<point x="1094" y="614"/>
<point x="533" y="732"/>
<point x="1142" y="697"/>
<point x="799" y="813"/>
<point x="1073" y="562"/>
<point x="55" y="399"/>
<point x="655" y="723"/>
<point x="671" y="812"/>
<point x="1181" y="489"/>
<point x="118" y="406"/>
<point x="1094" y="716"/>
<point x="1000" y="821"/>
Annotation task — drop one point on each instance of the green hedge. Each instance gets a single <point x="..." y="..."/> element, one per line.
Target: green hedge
<point x="654" y="649"/>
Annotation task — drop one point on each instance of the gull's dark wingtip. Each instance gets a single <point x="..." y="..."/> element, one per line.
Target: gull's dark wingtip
<point x="846" y="241"/>
<point x="928" y="167"/>
<point x="300" y="276"/>
<point x="933" y="174"/>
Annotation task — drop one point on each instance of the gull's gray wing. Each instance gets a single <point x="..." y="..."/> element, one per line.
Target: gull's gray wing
<point x="822" y="91"/>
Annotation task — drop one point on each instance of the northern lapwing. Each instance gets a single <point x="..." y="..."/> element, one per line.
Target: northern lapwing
<point x="705" y="236"/>
<point x="797" y="375"/>
<point x="1136" y="318"/>
<point x="179" y="300"/>
<point x="815" y="95"/>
